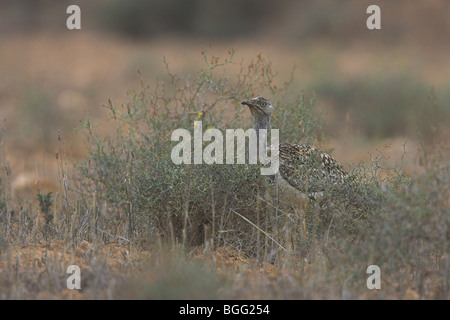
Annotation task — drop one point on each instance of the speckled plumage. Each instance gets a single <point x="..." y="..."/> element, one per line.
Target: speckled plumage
<point x="308" y="169"/>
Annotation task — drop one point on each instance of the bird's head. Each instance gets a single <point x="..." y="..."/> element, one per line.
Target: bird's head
<point x="259" y="106"/>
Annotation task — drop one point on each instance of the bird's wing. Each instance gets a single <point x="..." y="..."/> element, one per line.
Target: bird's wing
<point x="308" y="169"/>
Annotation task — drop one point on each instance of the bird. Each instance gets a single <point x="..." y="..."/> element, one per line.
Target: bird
<point x="304" y="171"/>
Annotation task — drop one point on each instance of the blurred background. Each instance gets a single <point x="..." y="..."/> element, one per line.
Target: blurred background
<point x="378" y="90"/>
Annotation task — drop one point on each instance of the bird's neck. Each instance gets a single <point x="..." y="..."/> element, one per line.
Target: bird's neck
<point x="261" y="122"/>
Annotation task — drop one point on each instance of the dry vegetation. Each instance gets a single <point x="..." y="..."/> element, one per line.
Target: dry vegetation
<point x="142" y="227"/>
<point x="107" y="197"/>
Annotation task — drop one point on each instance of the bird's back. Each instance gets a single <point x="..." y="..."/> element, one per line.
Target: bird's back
<point x="308" y="169"/>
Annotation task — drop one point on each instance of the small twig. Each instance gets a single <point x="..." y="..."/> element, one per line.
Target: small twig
<point x="112" y="235"/>
<point x="267" y="235"/>
<point x="287" y="215"/>
<point x="172" y="78"/>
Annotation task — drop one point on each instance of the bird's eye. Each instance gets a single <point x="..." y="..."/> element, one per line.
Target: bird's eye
<point x="263" y="104"/>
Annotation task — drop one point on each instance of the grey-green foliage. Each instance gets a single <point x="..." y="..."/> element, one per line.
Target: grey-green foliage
<point x="134" y="172"/>
<point x="45" y="203"/>
<point x="2" y="242"/>
<point x="204" y="192"/>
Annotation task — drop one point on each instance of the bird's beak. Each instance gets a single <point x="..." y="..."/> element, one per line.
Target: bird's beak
<point x="254" y="109"/>
<point x="247" y="103"/>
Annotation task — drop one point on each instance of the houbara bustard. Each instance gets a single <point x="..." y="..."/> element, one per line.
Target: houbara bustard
<point x="303" y="170"/>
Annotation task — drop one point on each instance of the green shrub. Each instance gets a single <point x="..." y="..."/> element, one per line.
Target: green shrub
<point x="152" y="196"/>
